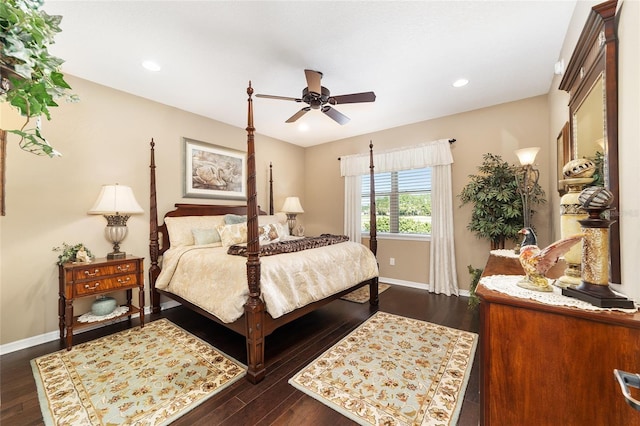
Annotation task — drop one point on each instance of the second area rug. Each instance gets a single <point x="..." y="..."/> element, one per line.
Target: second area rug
<point x="142" y="376"/>
<point x="393" y="370"/>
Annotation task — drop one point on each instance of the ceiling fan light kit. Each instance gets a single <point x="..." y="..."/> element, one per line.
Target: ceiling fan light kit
<point x="319" y="97"/>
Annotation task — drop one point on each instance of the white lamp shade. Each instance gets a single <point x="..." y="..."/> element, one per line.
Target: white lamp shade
<point x="292" y="205"/>
<point x="116" y="199"/>
<point x="527" y="155"/>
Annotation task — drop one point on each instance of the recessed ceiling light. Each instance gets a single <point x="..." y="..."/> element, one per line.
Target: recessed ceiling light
<point x="303" y="127"/>
<point x="151" y="66"/>
<point x="460" y="82"/>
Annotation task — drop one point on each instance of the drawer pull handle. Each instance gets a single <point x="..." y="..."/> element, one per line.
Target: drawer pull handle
<point x="92" y="274"/>
<point x="123" y="281"/>
<point x="91" y="287"/>
<point x="124" y="268"/>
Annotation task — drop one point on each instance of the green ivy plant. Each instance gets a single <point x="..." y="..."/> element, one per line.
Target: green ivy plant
<point x="497" y="205"/>
<point x="30" y="76"/>
<point x="476" y="274"/>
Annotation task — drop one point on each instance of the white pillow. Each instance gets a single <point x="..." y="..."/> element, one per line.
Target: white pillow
<point x="180" y="228"/>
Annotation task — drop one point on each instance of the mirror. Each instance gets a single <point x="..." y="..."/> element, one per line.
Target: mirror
<point x="591" y="80"/>
<point x="589" y="123"/>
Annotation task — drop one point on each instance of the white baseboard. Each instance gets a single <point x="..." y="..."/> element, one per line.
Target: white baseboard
<point x="412" y="284"/>
<point x="55" y="335"/>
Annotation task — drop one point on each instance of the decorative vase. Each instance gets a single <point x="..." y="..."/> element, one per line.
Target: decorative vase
<point x="103" y="306"/>
<point x="571" y="212"/>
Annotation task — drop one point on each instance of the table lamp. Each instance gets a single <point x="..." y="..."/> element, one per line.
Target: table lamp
<point x="292" y="207"/>
<point x="116" y="203"/>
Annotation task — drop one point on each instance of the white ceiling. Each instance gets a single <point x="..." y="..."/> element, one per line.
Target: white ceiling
<point x="407" y="52"/>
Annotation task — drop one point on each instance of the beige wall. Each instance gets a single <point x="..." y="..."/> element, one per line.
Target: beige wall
<point x="499" y="130"/>
<point x="629" y="140"/>
<point x="104" y="139"/>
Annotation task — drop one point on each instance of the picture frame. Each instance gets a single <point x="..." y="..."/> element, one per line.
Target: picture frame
<point x="563" y="143"/>
<point x="212" y="171"/>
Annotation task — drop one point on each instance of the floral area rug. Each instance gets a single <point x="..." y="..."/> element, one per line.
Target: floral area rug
<point x="142" y="376"/>
<point x="361" y="295"/>
<point x="393" y="370"/>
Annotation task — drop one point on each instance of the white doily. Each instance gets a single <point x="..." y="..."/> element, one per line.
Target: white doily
<point x="505" y="253"/>
<point x="89" y="317"/>
<point x="508" y="284"/>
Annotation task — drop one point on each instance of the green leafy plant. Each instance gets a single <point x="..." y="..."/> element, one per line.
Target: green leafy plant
<point x="69" y="252"/>
<point x="598" y="176"/>
<point x="30" y="76"/>
<point x="497" y="205"/>
<point x="475" y="273"/>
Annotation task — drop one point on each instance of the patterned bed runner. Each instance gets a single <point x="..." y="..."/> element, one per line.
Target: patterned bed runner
<point x="291" y="246"/>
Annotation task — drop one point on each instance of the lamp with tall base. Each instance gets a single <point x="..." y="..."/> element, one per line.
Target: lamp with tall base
<point x="527" y="179"/>
<point x="292" y="207"/>
<point x="116" y="203"/>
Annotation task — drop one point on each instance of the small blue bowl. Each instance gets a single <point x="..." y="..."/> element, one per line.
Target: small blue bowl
<point x="103" y="306"/>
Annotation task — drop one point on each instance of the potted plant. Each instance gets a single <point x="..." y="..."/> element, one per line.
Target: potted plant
<point x="30" y="77"/>
<point x="497" y="205"/>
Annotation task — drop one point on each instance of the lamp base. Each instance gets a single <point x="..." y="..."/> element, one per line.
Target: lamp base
<point x="116" y="255"/>
<point x="598" y="295"/>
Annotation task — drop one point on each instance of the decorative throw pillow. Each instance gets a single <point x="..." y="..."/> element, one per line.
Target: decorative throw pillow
<point x="231" y="219"/>
<point x="202" y="236"/>
<point x="233" y="234"/>
<point x="279" y="219"/>
<point x="269" y="233"/>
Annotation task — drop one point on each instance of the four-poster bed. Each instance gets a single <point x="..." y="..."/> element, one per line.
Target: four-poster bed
<point x="253" y="297"/>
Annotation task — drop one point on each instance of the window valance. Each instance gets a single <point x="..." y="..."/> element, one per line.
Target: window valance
<point x="436" y="153"/>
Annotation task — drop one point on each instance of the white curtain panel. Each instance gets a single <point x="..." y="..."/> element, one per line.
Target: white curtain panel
<point x="442" y="271"/>
<point x="436" y="154"/>
<point x="352" y="207"/>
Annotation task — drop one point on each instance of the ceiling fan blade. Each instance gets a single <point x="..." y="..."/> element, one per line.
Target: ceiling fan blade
<point x="352" y="98"/>
<point x="339" y="117"/>
<point x="298" y="114"/>
<point x="313" y="81"/>
<point x="282" y="98"/>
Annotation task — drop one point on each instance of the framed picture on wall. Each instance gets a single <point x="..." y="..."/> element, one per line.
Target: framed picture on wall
<point x="563" y="155"/>
<point x="212" y="171"/>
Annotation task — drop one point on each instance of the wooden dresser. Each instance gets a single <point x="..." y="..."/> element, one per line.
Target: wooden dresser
<point x="551" y="365"/>
<point x="99" y="277"/>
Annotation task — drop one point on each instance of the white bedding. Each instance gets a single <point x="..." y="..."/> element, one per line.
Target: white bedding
<point x="217" y="282"/>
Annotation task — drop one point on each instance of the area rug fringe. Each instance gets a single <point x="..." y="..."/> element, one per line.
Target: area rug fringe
<point x="142" y="376"/>
<point x="393" y="370"/>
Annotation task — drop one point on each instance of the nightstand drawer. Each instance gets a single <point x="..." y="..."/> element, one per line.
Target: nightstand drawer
<point x="106" y="284"/>
<point x="90" y="272"/>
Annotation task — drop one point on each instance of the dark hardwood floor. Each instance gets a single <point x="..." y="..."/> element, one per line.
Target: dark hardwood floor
<point x="273" y="401"/>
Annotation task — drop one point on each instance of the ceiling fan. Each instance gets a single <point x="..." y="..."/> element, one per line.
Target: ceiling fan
<point x="317" y="96"/>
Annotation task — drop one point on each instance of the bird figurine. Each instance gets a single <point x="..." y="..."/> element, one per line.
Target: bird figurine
<point x="529" y="239"/>
<point x="536" y="262"/>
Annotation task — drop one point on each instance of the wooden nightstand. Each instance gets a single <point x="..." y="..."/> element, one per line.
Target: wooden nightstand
<point x="101" y="276"/>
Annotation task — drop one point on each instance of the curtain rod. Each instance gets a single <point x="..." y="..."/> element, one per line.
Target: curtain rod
<point x="452" y="140"/>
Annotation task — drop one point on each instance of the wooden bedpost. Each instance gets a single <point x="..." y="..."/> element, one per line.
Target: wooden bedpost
<point x="270" y="188"/>
<point x="373" y="227"/>
<point x="154" y="248"/>
<point x="254" y="308"/>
